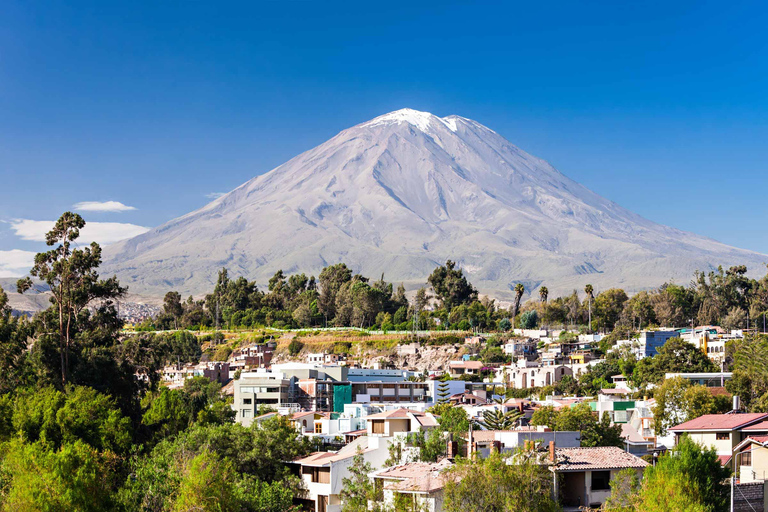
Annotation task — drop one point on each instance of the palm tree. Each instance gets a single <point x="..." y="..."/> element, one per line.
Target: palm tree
<point x="543" y="294"/>
<point x="589" y="291"/>
<point x="497" y="420"/>
<point x="519" y="291"/>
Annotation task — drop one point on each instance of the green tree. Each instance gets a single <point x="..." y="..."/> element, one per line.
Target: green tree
<point x="72" y="278"/>
<point x="295" y="347"/>
<point x="493" y="485"/>
<point x="207" y="485"/>
<point x="529" y="319"/>
<point x="498" y="420"/>
<point x="625" y="488"/>
<point x="519" y="291"/>
<point x="594" y="431"/>
<point x="172" y="307"/>
<point x="451" y="286"/>
<point x="690" y="478"/>
<point x="73" y="477"/>
<point x="53" y="418"/>
<point x="590" y="291"/>
<point x="357" y="488"/>
<point x="678" y="401"/>
<point x="674" y="357"/>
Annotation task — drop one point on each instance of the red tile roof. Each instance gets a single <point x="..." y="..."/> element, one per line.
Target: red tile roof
<point x="720" y="422"/>
<point x="602" y="457"/>
<point x="763" y="425"/>
<point x="724" y="459"/>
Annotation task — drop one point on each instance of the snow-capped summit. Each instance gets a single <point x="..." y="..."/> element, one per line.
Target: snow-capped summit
<point x="421" y="120"/>
<point x="403" y="192"/>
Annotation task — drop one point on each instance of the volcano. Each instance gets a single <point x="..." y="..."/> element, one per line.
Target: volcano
<point x="404" y="192"/>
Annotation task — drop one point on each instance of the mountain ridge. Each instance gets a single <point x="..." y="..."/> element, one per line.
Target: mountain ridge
<point x="402" y="193"/>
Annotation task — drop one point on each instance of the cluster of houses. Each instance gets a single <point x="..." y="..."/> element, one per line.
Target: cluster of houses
<point x="371" y="411"/>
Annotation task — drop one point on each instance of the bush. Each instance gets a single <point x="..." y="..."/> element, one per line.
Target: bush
<point x="295" y="347"/>
<point x="222" y="353"/>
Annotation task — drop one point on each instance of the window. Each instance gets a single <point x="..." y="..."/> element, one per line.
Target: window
<point x="722" y="436"/>
<point x="246" y="413"/>
<point x="318" y="475"/>
<point x="247" y="401"/>
<point x="746" y="458"/>
<point x="377" y="426"/>
<point x="601" y="480"/>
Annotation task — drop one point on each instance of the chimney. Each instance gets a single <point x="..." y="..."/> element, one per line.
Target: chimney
<point x="453" y="448"/>
<point x="552" y="452"/>
<point x="736" y="403"/>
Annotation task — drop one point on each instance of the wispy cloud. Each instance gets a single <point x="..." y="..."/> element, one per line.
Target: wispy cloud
<point x="102" y="232"/>
<point x="15" y="263"/>
<point x="102" y="206"/>
<point x="215" y="195"/>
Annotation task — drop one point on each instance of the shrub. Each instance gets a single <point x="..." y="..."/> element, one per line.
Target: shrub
<point x="295" y="347"/>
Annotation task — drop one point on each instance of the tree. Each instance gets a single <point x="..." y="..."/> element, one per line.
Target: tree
<point x="594" y="431"/>
<point x="609" y="306"/>
<point x="589" y="290"/>
<point x="52" y="418"/>
<point x="207" y="486"/>
<point x="674" y="357"/>
<point x="443" y="393"/>
<point x="498" y="420"/>
<point x="750" y="372"/>
<point x="172" y="307"/>
<point x="72" y="278"/>
<point x="295" y="347"/>
<point x="451" y="286"/>
<point x="529" y="319"/>
<point x="678" y="401"/>
<point x="331" y="279"/>
<point x="357" y="488"/>
<point x="14" y="333"/>
<point x="72" y="477"/>
<point x="519" y="291"/>
<point x="690" y="478"/>
<point x="491" y="484"/>
<point x="543" y="294"/>
<point x="625" y="488"/>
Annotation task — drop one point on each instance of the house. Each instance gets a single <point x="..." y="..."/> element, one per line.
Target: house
<point x="723" y="432"/>
<point x="536" y="377"/>
<point x="751" y="459"/>
<point x="634" y="442"/>
<point x="389" y="423"/>
<point x="304" y="421"/>
<point x="466" y="398"/>
<point x="257" y="388"/>
<point x="413" y="486"/>
<point x="483" y="441"/>
<point x="323" y="472"/>
<point x="648" y="343"/>
<point x="459" y="368"/>
<point x="586" y="473"/>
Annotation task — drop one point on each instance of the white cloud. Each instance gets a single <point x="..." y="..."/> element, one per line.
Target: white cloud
<point x="16" y="263"/>
<point x="102" y="232"/>
<point x="102" y="206"/>
<point x="215" y="195"/>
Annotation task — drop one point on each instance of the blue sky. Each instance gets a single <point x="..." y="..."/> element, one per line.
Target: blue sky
<point x="659" y="106"/>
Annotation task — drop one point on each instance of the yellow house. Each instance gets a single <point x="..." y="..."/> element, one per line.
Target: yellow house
<point x="751" y="459"/>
